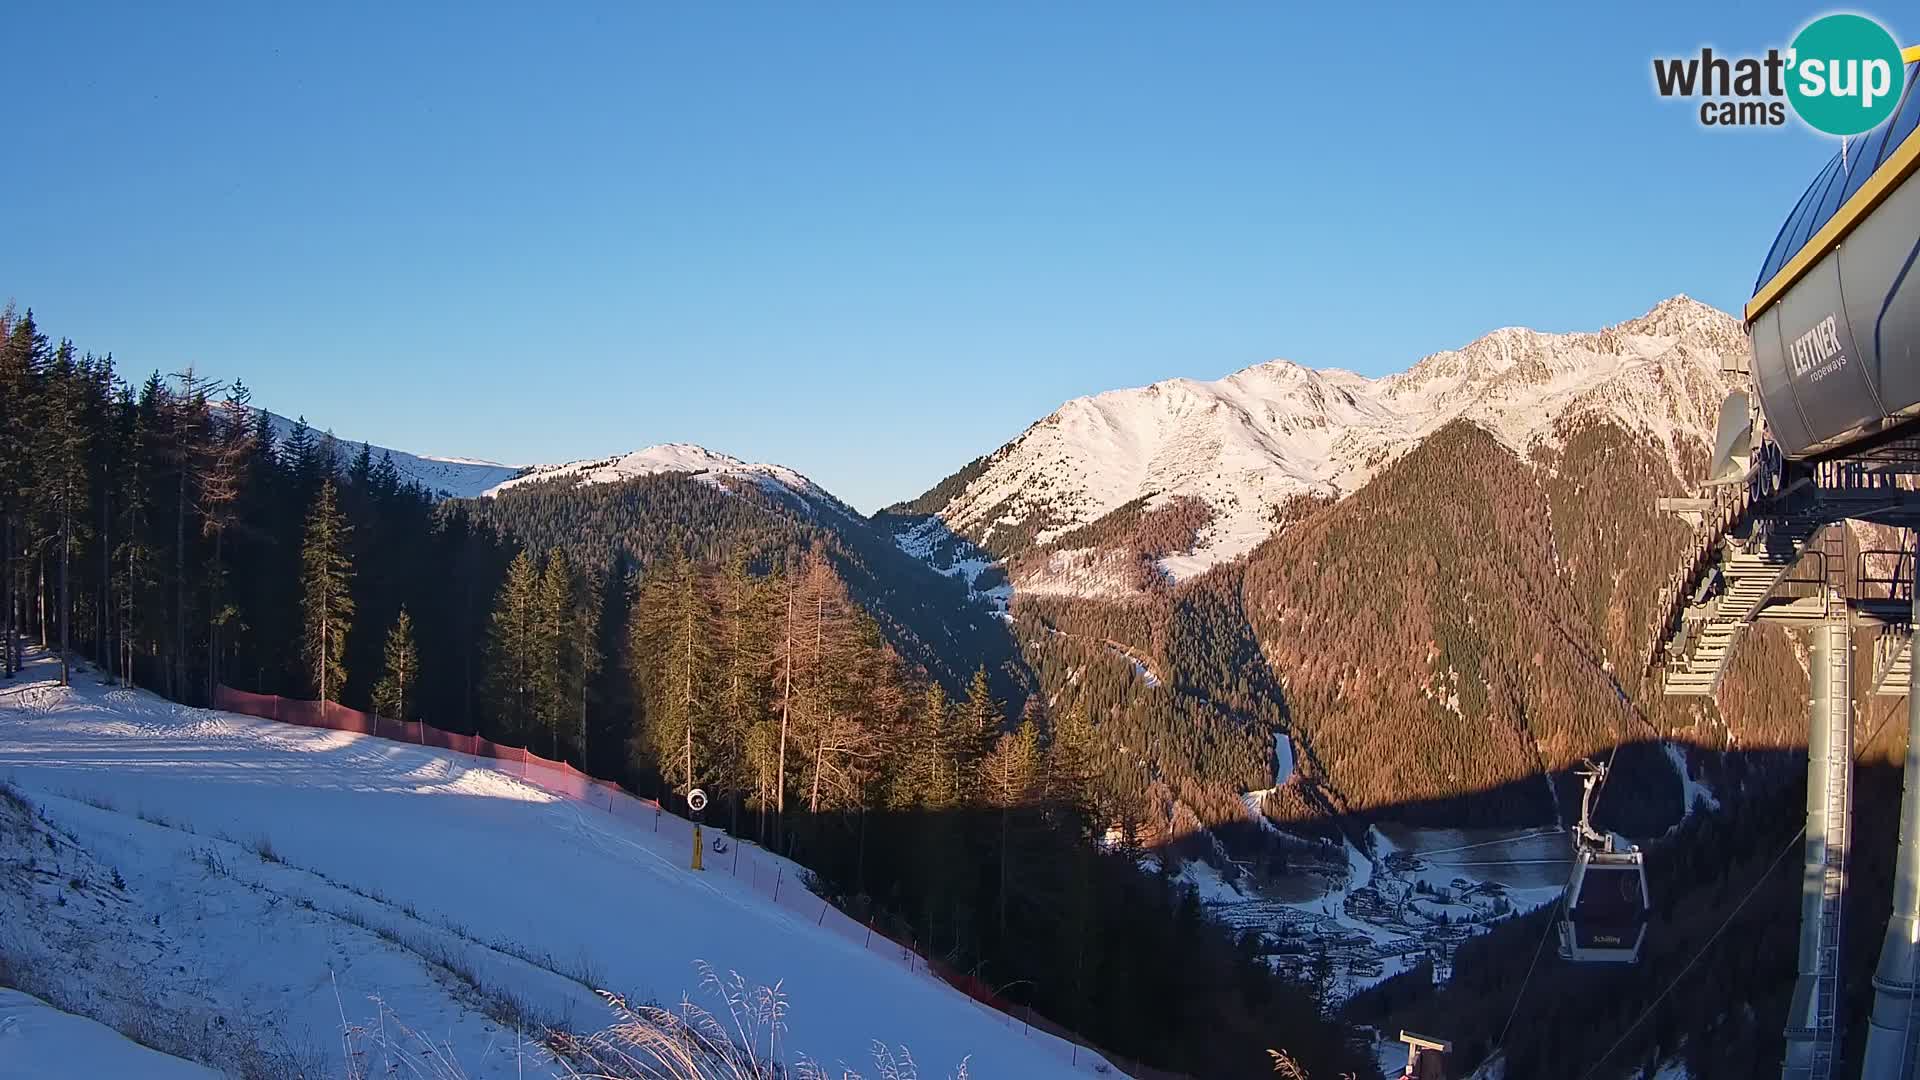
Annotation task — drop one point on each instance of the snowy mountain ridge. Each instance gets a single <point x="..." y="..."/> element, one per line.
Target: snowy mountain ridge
<point x="449" y="477"/>
<point x="445" y="477"/>
<point x="1247" y="442"/>
<point x="697" y="461"/>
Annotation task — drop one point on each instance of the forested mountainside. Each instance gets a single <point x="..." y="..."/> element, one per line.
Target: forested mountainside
<point x="1469" y="623"/>
<point x="627" y="522"/>
<point x="1449" y="595"/>
<point x="166" y="530"/>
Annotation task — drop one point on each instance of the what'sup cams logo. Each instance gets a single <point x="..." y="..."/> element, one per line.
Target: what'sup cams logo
<point x="1842" y="75"/>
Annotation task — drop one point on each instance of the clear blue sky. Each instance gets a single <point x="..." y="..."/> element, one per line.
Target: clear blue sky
<point x="869" y="241"/>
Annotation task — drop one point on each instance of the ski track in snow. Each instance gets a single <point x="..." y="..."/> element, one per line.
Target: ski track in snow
<point x="435" y="849"/>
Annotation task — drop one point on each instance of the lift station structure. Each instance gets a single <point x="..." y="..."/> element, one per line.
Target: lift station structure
<point x="1826" y="433"/>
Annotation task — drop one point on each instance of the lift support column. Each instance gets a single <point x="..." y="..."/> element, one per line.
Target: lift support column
<point x="1812" y="1019"/>
<point x="1891" y="1053"/>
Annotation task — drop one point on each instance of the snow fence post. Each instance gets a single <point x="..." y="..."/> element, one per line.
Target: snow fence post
<point x="776" y="884"/>
<point x="822" y="920"/>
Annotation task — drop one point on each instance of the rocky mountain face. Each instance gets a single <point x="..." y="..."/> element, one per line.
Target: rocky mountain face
<point x="1244" y="449"/>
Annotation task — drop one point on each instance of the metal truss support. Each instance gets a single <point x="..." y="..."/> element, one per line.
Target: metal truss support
<point x="1813" y="1018"/>
<point x="1892" y="1053"/>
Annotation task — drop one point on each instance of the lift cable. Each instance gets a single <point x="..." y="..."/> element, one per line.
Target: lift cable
<point x="1728" y="921"/>
<point x="1522" y="995"/>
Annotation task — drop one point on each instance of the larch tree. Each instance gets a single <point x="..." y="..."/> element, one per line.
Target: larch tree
<point x="327" y="582"/>
<point x="391" y="694"/>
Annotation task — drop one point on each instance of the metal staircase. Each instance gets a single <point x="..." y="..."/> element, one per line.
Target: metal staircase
<point x="1739" y="583"/>
<point x="1892" y="660"/>
<point x="1746" y="548"/>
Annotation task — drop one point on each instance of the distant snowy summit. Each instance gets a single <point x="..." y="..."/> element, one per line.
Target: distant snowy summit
<point x="1247" y="443"/>
<point x="710" y="466"/>
<point x="472" y="478"/>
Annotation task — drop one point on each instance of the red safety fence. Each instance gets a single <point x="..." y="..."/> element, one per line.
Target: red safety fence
<point x="765" y="873"/>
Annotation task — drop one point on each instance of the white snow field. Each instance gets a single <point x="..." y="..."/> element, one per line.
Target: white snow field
<point x="39" y="1041"/>
<point x="241" y="880"/>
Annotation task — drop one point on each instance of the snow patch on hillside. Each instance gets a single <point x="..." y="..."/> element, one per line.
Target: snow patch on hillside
<point x="931" y="542"/>
<point x="1695" y="793"/>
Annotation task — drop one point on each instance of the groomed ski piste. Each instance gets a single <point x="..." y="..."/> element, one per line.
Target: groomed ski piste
<point x="273" y="899"/>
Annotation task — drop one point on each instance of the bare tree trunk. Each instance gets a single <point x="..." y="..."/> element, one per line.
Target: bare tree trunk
<point x="66" y="605"/>
<point x="40" y="563"/>
<point x="213" y="617"/>
<point x="786" y="704"/>
<point x="104" y="647"/>
<point x="178" y="676"/>
<point x="686" y="703"/>
<point x="126" y="626"/>
<point x="6" y="595"/>
<point x="819" y="760"/>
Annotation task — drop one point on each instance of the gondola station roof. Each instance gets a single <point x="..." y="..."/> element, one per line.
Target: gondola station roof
<point x="1835" y="315"/>
<point x="1840" y="196"/>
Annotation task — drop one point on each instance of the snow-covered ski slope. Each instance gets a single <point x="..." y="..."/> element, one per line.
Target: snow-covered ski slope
<point x="392" y="868"/>
<point x="38" y="1041"/>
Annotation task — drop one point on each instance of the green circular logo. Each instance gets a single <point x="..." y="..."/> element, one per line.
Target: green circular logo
<point x="1845" y="74"/>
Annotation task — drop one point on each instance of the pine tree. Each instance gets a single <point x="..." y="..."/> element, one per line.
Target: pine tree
<point x="23" y="350"/>
<point x="588" y="601"/>
<point x="671" y="654"/>
<point x="62" y="460"/>
<point x="390" y="694"/>
<point x="513" y="648"/>
<point x="925" y="778"/>
<point x="220" y="469"/>
<point x="978" y="725"/>
<point x="744" y="641"/>
<point x="1072" y="767"/>
<point x="1009" y="776"/>
<point x="558" y="675"/>
<point x="327" y="579"/>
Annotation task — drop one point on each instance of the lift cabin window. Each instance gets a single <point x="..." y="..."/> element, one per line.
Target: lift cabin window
<point x="1609" y="910"/>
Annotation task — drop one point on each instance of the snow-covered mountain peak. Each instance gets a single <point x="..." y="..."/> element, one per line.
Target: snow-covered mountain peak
<point x="1248" y="442"/>
<point x="707" y="465"/>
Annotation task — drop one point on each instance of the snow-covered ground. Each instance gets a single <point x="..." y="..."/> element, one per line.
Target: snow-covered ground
<point x="244" y="878"/>
<point x="39" y="1041"/>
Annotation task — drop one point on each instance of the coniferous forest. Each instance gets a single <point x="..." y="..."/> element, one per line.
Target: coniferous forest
<point x="665" y="634"/>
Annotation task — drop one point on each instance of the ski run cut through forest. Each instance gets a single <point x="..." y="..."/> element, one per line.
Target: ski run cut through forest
<point x="308" y="886"/>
